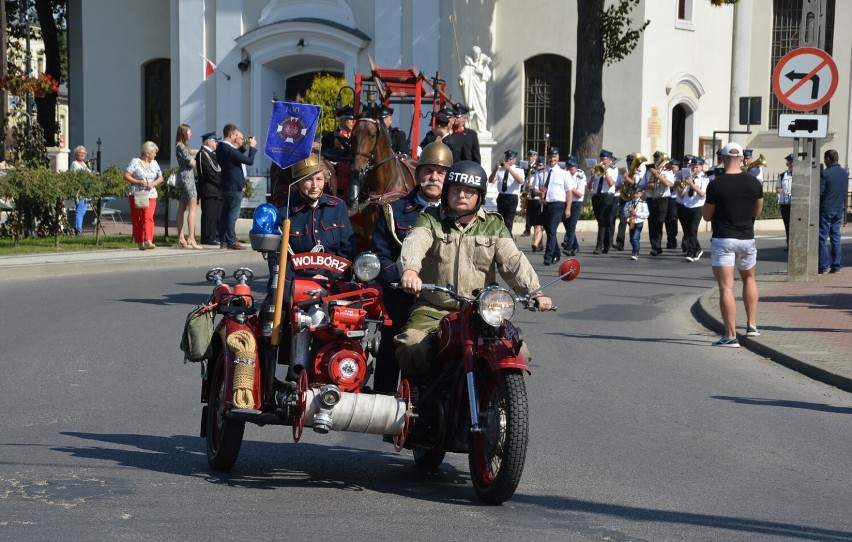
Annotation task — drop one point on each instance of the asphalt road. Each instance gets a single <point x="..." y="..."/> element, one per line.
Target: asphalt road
<point x="640" y="430"/>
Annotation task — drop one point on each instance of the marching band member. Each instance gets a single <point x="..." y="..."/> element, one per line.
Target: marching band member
<point x="532" y="156"/>
<point x="625" y="186"/>
<point x="636" y="210"/>
<point x="575" y="207"/>
<point x="658" y="183"/>
<point x="602" y="187"/>
<point x="693" y="206"/>
<point x="535" y="205"/>
<point x="671" y="208"/>
<point x="756" y="171"/>
<point x="680" y="190"/>
<point x="511" y="180"/>
<point x="551" y="185"/>
<point x="783" y="190"/>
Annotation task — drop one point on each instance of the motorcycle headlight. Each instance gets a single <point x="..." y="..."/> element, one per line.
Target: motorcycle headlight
<point x="366" y="267"/>
<point x="496" y="305"/>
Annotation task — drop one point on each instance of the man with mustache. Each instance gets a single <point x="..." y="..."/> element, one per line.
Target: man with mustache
<point x="394" y="222"/>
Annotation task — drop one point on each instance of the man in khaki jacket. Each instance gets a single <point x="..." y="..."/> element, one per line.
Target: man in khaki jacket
<point x="458" y="243"/>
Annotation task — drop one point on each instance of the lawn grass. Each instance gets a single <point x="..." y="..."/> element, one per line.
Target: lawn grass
<point x="45" y="245"/>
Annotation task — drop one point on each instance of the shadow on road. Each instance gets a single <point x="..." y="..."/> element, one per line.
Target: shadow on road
<point x="785" y="403"/>
<point x="263" y="465"/>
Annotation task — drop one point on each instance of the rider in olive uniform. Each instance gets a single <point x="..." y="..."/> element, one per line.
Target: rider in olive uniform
<point x="394" y="222"/>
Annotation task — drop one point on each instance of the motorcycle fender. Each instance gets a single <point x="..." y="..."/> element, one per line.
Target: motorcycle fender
<point x="226" y="328"/>
<point x="500" y="355"/>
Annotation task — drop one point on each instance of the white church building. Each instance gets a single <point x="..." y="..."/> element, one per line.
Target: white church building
<point x="136" y="68"/>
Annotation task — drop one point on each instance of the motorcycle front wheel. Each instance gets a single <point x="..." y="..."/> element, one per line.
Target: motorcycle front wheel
<point x="224" y="437"/>
<point x="497" y="454"/>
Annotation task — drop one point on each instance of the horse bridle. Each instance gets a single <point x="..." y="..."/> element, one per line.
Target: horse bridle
<point x="372" y="156"/>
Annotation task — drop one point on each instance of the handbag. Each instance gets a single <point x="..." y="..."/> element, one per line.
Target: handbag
<point x="197" y="338"/>
<point x="141" y="199"/>
<point x="172" y="180"/>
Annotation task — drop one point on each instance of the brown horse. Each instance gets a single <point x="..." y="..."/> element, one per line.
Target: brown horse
<point x="379" y="176"/>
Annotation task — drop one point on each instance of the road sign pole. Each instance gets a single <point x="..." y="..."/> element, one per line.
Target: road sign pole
<point x="802" y="255"/>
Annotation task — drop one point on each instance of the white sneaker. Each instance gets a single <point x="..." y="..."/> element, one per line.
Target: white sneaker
<point x="695" y="258"/>
<point x="727" y="342"/>
<point x="634" y="257"/>
<point x="752" y="331"/>
<point x="688" y="259"/>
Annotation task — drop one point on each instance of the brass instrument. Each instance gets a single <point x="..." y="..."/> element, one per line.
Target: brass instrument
<point x="683" y="186"/>
<point x="501" y="164"/>
<point x="663" y="160"/>
<point x="634" y="165"/>
<point x="760" y="162"/>
<point x="600" y="169"/>
<point x="627" y="190"/>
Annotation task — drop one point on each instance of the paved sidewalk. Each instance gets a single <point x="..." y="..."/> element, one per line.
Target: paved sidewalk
<point x="806" y="326"/>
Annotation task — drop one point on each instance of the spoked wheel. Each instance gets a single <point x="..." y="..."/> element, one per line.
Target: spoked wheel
<point x="224" y="437"/>
<point x="497" y="455"/>
<point x="404" y="393"/>
<point x="301" y="406"/>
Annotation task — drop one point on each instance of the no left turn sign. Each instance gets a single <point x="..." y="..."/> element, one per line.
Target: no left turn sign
<point x="805" y="79"/>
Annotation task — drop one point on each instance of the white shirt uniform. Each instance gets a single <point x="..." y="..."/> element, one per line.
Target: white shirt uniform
<point x="785" y="182"/>
<point x="557" y="185"/>
<point x="513" y="187"/>
<point x="654" y="188"/>
<point x="612" y="172"/>
<point x="692" y="201"/>
<point x="578" y="184"/>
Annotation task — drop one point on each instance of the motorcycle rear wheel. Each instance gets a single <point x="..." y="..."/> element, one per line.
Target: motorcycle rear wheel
<point x="497" y="455"/>
<point x="224" y="437"/>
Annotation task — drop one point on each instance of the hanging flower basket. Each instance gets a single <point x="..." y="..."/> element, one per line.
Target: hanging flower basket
<point x="19" y="85"/>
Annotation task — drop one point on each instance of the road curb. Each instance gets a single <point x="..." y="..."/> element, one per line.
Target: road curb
<point x="706" y="315"/>
<point x="46" y="266"/>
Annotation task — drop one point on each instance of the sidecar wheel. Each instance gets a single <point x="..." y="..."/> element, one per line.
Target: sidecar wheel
<point x="224" y="437"/>
<point x="428" y="459"/>
<point x="497" y="455"/>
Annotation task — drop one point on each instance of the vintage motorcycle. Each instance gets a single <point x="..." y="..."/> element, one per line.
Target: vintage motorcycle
<point x="477" y="403"/>
<point x="328" y="344"/>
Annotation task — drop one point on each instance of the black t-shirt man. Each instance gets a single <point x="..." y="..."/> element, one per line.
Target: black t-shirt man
<point x="734" y="196"/>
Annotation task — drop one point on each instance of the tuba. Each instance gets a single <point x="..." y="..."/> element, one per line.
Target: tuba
<point x="627" y="191"/>
<point x="663" y="160"/>
<point x="760" y="162"/>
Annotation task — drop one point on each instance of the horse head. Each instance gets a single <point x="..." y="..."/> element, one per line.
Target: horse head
<point x="370" y="150"/>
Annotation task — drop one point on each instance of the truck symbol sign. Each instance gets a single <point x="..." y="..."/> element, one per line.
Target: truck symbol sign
<point x="811" y="125"/>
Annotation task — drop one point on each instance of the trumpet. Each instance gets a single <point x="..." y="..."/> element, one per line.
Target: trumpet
<point x="683" y="186"/>
<point x="501" y="164"/>
<point x="760" y="162"/>
<point x="600" y="169"/>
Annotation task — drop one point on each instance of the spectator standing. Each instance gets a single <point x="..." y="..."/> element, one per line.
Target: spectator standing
<point x="209" y="172"/>
<point x="734" y="200"/>
<point x="187" y="193"/>
<point x="82" y="204"/>
<point x="144" y="176"/>
<point x="232" y="155"/>
<point x="833" y="187"/>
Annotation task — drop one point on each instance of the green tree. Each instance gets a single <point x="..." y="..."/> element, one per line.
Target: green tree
<point x="604" y="36"/>
<point x="51" y="28"/>
<point x="324" y="91"/>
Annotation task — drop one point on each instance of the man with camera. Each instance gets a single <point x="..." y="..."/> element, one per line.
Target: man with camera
<point x="233" y="152"/>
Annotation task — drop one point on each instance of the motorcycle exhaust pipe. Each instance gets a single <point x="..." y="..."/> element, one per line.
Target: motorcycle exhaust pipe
<point x="330" y="409"/>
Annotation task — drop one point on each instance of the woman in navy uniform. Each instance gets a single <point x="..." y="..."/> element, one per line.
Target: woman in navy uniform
<point x="318" y="222"/>
<point x="393" y="224"/>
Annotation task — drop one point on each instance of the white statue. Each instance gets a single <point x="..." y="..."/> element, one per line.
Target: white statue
<point x="473" y="77"/>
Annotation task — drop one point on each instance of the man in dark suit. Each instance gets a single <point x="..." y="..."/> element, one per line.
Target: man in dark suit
<point x="469" y="139"/>
<point x="444" y="132"/>
<point x="399" y="143"/>
<point x="208" y="173"/>
<point x="232" y="156"/>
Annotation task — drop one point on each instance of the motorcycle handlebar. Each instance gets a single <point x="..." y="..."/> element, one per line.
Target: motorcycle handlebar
<point x="526" y="301"/>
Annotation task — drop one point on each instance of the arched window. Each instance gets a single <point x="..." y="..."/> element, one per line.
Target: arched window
<point x="547" y="102"/>
<point x="157" y="106"/>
